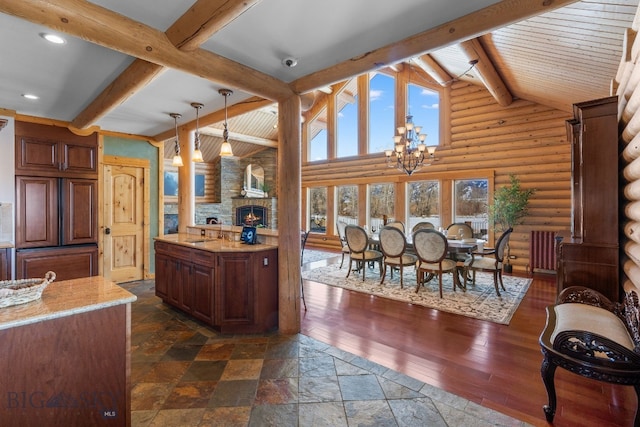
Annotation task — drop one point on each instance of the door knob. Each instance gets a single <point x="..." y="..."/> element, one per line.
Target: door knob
<point x="107" y="230"/>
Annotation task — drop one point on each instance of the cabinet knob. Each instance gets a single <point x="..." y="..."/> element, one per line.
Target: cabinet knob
<point x="107" y="230"/>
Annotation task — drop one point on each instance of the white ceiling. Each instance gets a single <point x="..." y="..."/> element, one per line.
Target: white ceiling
<point x="319" y="34"/>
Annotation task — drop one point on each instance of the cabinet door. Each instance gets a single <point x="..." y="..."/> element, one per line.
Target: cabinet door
<point x="67" y="263"/>
<point x="203" y="285"/>
<point x="5" y="264"/>
<point x="163" y="273"/>
<point x="36" y="212"/>
<point x="78" y="158"/>
<point x="185" y="286"/>
<point x="234" y="291"/>
<point x="37" y="154"/>
<point x="79" y="211"/>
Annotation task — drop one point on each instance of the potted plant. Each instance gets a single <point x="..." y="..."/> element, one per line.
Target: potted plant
<point x="265" y="189"/>
<point x="510" y="206"/>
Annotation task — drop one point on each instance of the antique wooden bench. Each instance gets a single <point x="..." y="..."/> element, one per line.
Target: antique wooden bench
<point x="591" y="336"/>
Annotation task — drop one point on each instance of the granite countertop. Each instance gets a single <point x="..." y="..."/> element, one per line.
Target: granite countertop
<point x="66" y="298"/>
<point x="212" y="244"/>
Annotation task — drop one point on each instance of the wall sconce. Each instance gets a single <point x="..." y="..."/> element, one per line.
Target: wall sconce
<point x="197" y="154"/>
<point x="177" y="159"/>
<point x="225" y="148"/>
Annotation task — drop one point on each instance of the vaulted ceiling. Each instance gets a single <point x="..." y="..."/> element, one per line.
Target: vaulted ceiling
<point x="126" y="65"/>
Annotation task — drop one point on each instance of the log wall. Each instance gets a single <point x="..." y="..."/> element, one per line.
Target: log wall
<point x="485" y="140"/>
<point x="628" y="91"/>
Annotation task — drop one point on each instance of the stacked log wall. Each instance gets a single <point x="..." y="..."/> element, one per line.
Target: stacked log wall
<point x="626" y="87"/>
<point x="526" y="139"/>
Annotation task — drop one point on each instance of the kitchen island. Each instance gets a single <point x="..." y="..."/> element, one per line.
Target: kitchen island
<point x="65" y="358"/>
<point x="228" y="285"/>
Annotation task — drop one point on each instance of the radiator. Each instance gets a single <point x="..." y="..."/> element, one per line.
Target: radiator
<point x="542" y="252"/>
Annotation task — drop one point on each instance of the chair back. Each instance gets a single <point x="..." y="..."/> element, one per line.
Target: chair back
<point x="340" y="226"/>
<point x="502" y="243"/>
<point x="454" y="230"/>
<point x="421" y="225"/>
<point x="304" y="235"/>
<point x="430" y="245"/>
<point x="392" y="242"/>
<point x="357" y="238"/>
<point x="397" y="224"/>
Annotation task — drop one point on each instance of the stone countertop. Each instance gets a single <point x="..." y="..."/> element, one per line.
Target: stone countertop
<point x="66" y="298"/>
<point x="4" y="245"/>
<point x="212" y="244"/>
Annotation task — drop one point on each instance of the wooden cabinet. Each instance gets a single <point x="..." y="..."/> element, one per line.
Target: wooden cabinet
<point x="55" y="151"/>
<point x="590" y="256"/>
<point x="235" y="292"/>
<point x="71" y="262"/>
<point x="5" y="264"/>
<point x="44" y="204"/>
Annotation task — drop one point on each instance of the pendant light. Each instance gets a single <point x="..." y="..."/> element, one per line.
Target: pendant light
<point x="197" y="154"/>
<point x="177" y="159"/>
<point x="225" y="148"/>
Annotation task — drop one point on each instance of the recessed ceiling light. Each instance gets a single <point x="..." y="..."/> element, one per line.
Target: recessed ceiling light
<point x="30" y="96"/>
<point x="52" y="38"/>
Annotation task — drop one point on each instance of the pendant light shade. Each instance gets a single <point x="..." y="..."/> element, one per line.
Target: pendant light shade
<point x="177" y="158"/>
<point x="225" y="148"/>
<point x="197" y="154"/>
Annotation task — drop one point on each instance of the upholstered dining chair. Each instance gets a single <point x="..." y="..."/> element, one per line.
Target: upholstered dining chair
<point x="393" y="245"/>
<point x="340" y="226"/>
<point x="431" y="247"/>
<point x="453" y="231"/>
<point x="420" y="225"/>
<point x="479" y="261"/>
<point x="397" y="224"/>
<point x="358" y="242"/>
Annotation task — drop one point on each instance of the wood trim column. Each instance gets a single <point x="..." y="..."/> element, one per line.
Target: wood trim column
<point x="186" y="176"/>
<point x="289" y="184"/>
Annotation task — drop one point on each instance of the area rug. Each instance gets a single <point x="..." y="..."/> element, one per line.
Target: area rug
<point x="313" y="255"/>
<point x="479" y="301"/>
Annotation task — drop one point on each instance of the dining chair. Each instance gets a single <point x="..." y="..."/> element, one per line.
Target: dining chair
<point x="480" y="262"/>
<point x="393" y="245"/>
<point x="358" y="242"/>
<point x="340" y="226"/>
<point x="420" y="225"/>
<point x="431" y="247"/>
<point x="397" y="224"/>
<point x="304" y="235"/>
<point x="453" y="231"/>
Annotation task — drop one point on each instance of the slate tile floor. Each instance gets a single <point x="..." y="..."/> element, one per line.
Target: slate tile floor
<point x="186" y="374"/>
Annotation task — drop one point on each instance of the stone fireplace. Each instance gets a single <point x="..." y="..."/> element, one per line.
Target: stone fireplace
<point x="256" y="210"/>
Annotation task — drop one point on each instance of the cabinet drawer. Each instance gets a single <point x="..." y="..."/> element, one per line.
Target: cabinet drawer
<point x="204" y="258"/>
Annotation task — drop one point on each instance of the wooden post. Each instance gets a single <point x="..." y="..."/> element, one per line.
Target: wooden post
<point x="186" y="192"/>
<point x="289" y="182"/>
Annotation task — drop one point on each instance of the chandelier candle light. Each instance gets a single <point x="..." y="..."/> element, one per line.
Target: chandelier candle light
<point x="409" y="148"/>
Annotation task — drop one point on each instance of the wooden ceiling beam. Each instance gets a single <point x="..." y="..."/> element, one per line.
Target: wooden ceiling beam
<point x="486" y="71"/>
<point x="433" y="69"/>
<point x="193" y="28"/>
<point x="475" y="24"/>
<point x="117" y="32"/>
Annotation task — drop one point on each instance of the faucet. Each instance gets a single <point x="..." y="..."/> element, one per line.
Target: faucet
<point x="220" y="233"/>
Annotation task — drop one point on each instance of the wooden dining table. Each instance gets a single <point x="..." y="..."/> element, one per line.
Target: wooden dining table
<point x="455" y="247"/>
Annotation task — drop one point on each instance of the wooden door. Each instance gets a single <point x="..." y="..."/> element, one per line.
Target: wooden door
<point x="123" y="223"/>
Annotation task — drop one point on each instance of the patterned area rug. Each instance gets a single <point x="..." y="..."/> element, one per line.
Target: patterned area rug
<point x="479" y="301"/>
<point x="313" y="255"/>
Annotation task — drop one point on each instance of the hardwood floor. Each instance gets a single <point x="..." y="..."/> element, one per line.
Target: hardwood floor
<point x="497" y="366"/>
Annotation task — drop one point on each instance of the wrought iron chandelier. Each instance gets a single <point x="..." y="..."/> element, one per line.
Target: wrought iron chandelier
<point x="409" y="151"/>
